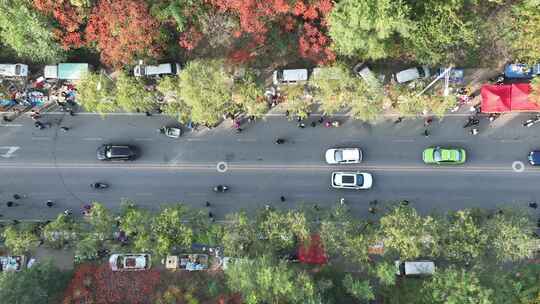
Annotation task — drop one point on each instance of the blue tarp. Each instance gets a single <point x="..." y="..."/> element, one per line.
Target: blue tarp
<point x="519" y="70"/>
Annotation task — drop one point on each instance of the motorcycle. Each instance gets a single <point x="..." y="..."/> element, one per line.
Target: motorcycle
<point x="99" y="186"/>
<point x="531" y="121"/>
<point x="330" y="124"/>
<point x="220" y="188"/>
<point x="473" y="121"/>
<point x="493" y="116"/>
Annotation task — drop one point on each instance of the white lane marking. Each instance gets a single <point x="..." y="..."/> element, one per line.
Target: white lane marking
<point x="247" y="140"/>
<point x="195" y="139"/>
<point x="10" y="151"/>
<point x="510" y="140"/>
<point x="41" y="138"/>
<point x="93" y="138"/>
<point x="144" y="139"/>
<point x="403" y="140"/>
<point x="11" y="125"/>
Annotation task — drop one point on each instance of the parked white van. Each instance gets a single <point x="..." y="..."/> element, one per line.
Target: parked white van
<point x="13" y="70"/>
<point x="290" y="76"/>
<point x="414" y="268"/>
<point x="141" y="70"/>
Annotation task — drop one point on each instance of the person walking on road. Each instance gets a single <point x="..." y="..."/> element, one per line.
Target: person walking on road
<point x="282" y="198"/>
<point x="64" y="128"/>
<point x="49" y="203"/>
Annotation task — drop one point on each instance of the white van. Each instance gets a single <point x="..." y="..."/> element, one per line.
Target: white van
<point x="13" y="70"/>
<point x="414" y="268"/>
<point x="290" y="76"/>
<point x="141" y="70"/>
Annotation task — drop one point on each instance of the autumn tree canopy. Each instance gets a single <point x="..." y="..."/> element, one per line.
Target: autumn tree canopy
<point x="122" y="31"/>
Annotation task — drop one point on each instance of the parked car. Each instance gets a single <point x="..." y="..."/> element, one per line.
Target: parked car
<point x="412" y="74"/>
<point x="534" y="158"/>
<point x="363" y="71"/>
<point x="116" y="152"/>
<point x="66" y="71"/>
<point x="129" y="262"/>
<point x="352" y="180"/>
<point x="12" y="263"/>
<point x="414" y="268"/>
<point x="343" y="156"/>
<point x="141" y="70"/>
<point x="444" y="156"/>
<point x="13" y="70"/>
<point x="521" y="71"/>
<point x="290" y="76"/>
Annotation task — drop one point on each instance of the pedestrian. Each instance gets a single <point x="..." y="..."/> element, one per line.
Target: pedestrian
<point x="372" y="210"/>
<point x="67" y="212"/>
<point x="207" y="204"/>
<point x="321" y="119"/>
<point x="210" y="214"/>
<point x="301" y="125"/>
<point x="404" y="202"/>
<point x="16" y="196"/>
<point x="533" y="205"/>
<point x="342" y="201"/>
<point x="316" y="207"/>
<point x="267" y="207"/>
<point x="147" y="113"/>
<point x="64" y="128"/>
<point x="10" y="204"/>
<point x="282" y="198"/>
<point x="398" y="120"/>
<point x="313" y="124"/>
<point x="428" y="121"/>
<point x="426" y="133"/>
<point x="298" y="119"/>
<point x="238" y="130"/>
<point x="71" y="113"/>
<point x="287" y="113"/>
<point x="49" y="203"/>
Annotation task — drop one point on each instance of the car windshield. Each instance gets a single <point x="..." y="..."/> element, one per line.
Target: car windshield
<point x="437" y="155"/>
<point x="338" y="155"/>
<point x="359" y="180"/>
<point x="421" y="72"/>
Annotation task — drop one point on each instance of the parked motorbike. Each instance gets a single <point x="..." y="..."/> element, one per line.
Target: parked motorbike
<point x="279" y="141"/>
<point x="99" y="185"/>
<point x="330" y="124"/>
<point x="531" y="121"/>
<point x="220" y="188"/>
<point x="473" y="121"/>
<point x="494" y="116"/>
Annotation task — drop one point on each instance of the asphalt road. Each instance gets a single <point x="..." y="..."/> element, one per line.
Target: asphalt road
<point x="60" y="166"/>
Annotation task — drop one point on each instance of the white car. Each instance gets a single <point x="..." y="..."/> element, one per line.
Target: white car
<point x="141" y="70"/>
<point x="352" y="180"/>
<point x="343" y="156"/>
<point x="129" y="262"/>
<point x="412" y="74"/>
<point x="289" y="76"/>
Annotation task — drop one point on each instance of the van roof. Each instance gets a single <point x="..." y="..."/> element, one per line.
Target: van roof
<point x="419" y="267"/>
<point x="295" y="75"/>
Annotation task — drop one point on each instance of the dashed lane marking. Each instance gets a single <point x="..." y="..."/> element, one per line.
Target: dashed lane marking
<point x="93" y="138"/>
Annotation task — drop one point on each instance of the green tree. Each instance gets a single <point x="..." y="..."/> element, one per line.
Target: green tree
<point x="96" y="93"/>
<point x="87" y="248"/>
<point x="239" y="234"/>
<point x="453" y="286"/>
<point x="27" y="32"/>
<point x="510" y="236"/>
<point x="359" y="289"/>
<point x="406" y="232"/>
<point x="262" y="280"/>
<point x="136" y="223"/>
<point x="206" y="88"/>
<point x="297" y="101"/>
<point x="183" y="12"/>
<point x="386" y="273"/>
<point x="346" y="236"/>
<point x="131" y="94"/>
<point x="101" y="222"/>
<point x="446" y="32"/>
<point x="248" y="94"/>
<point x="368" y="28"/>
<point x="334" y="88"/>
<point x="20" y="239"/>
<point x="463" y="238"/>
<point x="535" y="90"/>
<point x="170" y="230"/>
<point x="173" y="105"/>
<point x="521" y="31"/>
<point x="43" y="283"/>
<point x="61" y="232"/>
<point x="282" y="229"/>
<point x="368" y="102"/>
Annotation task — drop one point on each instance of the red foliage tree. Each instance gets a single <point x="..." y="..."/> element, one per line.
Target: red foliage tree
<point x="257" y="16"/>
<point x="190" y="38"/>
<point x="69" y="18"/>
<point x="98" y="284"/>
<point x="123" y="30"/>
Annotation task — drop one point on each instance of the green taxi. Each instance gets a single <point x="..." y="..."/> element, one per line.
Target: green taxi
<point x="444" y="156"/>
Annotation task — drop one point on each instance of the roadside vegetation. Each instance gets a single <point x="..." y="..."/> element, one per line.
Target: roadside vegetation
<point x="480" y="256"/>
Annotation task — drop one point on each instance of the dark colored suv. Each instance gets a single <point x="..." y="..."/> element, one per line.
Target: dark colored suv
<point x="116" y="152"/>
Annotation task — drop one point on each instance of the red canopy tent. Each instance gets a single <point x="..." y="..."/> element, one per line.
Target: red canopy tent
<point x="507" y="98"/>
<point x="313" y="253"/>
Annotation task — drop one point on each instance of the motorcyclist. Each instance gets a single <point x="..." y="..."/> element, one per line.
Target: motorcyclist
<point x="280" y="141"/>
<point x="98" y="185"/>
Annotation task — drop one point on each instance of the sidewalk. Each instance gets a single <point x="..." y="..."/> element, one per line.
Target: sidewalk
<point x="62" y="258"/>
